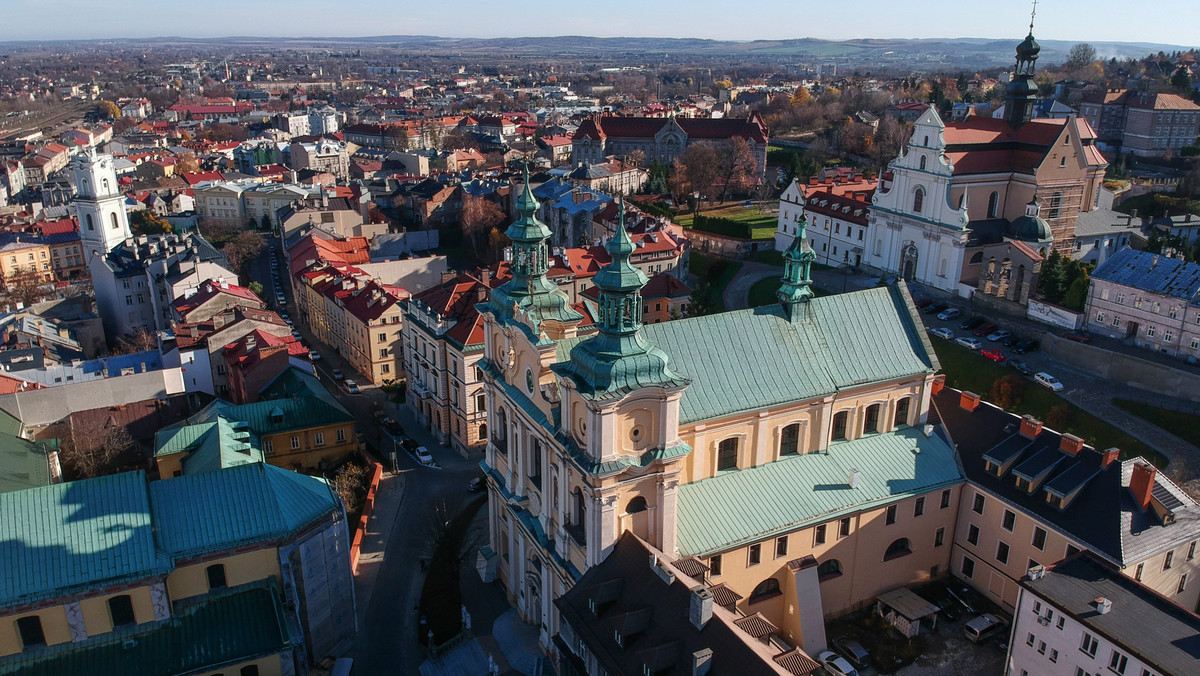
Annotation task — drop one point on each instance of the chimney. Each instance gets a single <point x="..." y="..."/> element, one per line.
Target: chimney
<point x="701" y="609"/>
<point x="1133" y="213"/>
<point x="661" y="570"/>
<point x="1109" y="456"/>
<point x="969" y="401"/>
<point x="447" y="276"/>
<point x="853" y="477"/>
<point x="251" y="343"/>
<point x="486" y="277"/>
<point x="1031" y="427"/>
<point x="1070" y="444"/>
<point x="1103" y="605"/>
<point x="939" y="383"/>
<point x="1141" y="484"/>
<point x="195" y="332"/>
<point x="702" y="662"/>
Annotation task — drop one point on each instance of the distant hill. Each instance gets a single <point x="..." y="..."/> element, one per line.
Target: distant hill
<point x="859" y="53"/>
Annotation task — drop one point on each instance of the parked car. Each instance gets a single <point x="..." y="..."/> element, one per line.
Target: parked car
<point x="336" y="373"/>
<point x="393" y="428"/>
<point x="476" y="485"/>
<point x="983" y="627"/>
<point x="943" y="333"/>
<point x="993" y="354"/>
<point x="853" y="651"/>
<point x="984" y="329"/>
<point x="411" y="445"/>
<point x="352" y="387"/>
<point x="971" y="323"/>
<point x="997" y="336"/>
<point x="1027" y="345"/>
<point x="922" y="302"/>
<point x="1012" y="339"/>
<point x="1020" y="367"/>
<point x="935" y="308"/>
<point x="1079" y="336"/>
<point x="423" y="456"/>
<point x="969" y="343"/>
<point x="836" y="665"/>
<point x="314" y="355"/>
<point x="949" y="313"/>
<point x="1048" y="381"/>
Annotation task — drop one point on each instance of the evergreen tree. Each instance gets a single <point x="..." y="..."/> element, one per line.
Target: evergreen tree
<point x="1076" y="295"/>
<point x="1052" y="280"/>
<point x="1182" y="80"/>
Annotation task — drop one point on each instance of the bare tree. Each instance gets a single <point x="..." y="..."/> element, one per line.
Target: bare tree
<point x="476" y="218"/>
<point x="141" y="341"/>
<point x="1080" y="55"/>
<point x="350" y="482"/>
<point x="243" y="248"/>
<point x="736" y="165"/>
<point x="28" y="287"/>
<point x="696" y="170"/>
<point x="94" y="445"/>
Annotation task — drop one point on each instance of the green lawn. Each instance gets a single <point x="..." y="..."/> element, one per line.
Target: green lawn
<point x="1182" y="425"/>
<point x="763" y="291"/>
<point x="762" y="225"/>
<point x="966" y="370"/>
<point x="714" y="274"/>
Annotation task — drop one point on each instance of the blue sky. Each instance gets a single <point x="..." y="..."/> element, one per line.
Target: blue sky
<point x="1170" y="22"/>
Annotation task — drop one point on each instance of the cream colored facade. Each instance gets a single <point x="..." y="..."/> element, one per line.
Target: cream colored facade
<point x="445" y="382"/>
<point x="20" y="259"/>
<point x="371" y="341"/>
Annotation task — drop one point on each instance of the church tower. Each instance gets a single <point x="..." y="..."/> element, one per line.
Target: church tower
<point x="1022" y="92"/>
<point x="795" y="289"/>
<point x="99" y="205"/>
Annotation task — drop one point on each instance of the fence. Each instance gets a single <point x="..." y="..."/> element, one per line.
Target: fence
<point x="368" y="507"/>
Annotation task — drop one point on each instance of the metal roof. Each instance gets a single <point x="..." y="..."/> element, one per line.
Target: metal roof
<point x="76" y="535"/>
<point x="846" y="340"/>
<point x="1152" y="272"/>
<point x="739" y="507"/>
<point x="908" y="603"/>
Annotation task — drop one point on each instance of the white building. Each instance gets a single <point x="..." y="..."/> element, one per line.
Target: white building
<point x="915" y="228"/>
<point x="323" y="120"/>
<point x="296" y="124"/>
<point x="838" y="218"/>
<point x="1081" y="617"/>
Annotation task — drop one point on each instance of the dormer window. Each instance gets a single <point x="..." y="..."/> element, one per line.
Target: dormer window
<point x="1025" y="485"/>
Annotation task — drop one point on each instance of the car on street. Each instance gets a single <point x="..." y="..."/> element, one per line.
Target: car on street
<point x="1048" y="381"/>
<point x="969" y="343"/>
<point x="423" y="456"/>
<point x="1079" y="336"/>
<point x="949" y="313"/>
<point x="922" y="302"/>
<point x="393" y="428"/>
<point x="351" y="386"/>
<point x="934" y="309"/>
<point x="314" y="355"/>
<point x="336" y="373"/>
<point x="970" y="323"/>
<point x="993" y="354"/>
<point x="943" y="333"/>
<point x="476" y="485"/>
<point x="853" y="651"/>
<point x="997" y="336"/>
<point x="980" y="629"/>
<point x="1027" y="345"/>
<point x="1012" y="339"/>
<point x="835" y="664"/>
<point x="985" y="329"/>
<point x="411" y="445"/>
<point x="1020" y="367"/>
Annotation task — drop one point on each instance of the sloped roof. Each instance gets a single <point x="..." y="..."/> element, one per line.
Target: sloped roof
<point x="22" y="463"/>
<point x="211" y="289"/>
<point x="76" y="535"/>
<point x="846" y="340"/>
<point x="734" y="508"/>
<point x="248" y="503"/>
<point x="1152" y="272"/>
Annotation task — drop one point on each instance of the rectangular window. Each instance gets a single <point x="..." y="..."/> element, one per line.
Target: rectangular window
<point x="945" y="499"/>
<point x="968" y="567"/>
<point x="295" y="443"/>
<point x="939" y="537"/>
<point x="1061" y="621"/>
<point x="1041" y="647"/>
<point x="844" y="527"/>
<point x="972" y="534"/>
<point x="1029" y="640"/>
<point x="30" y="629"/>
<point x="714" y="565"/>
<point x="1039" y="538"/>
<point x="319" y="438"/>
<point x="1167" y="561"/>
<point x="781" y="544"/>
<point x="1137" y="573"/>
<point x="341" y="435"/>
<point x="1182" y="584"/>
<point x="1191" y="551"/>
<point x="268" y="446"/>
<point x="977" y="506"/>
<point x="1009" y="520"/>
<point x="891" y="515"/>
<point x="1089" y="645"/>
<point x="216" y="576"/>
<point x="121" y="610"/>
<point x="755" y="555"/>
<point x="1002" y="552"/>
<point x="1118" y="662"/>
<point x="919" y="507"/>
<point x="819" y="535"/>
<point x="382" y="337"/>
<point x="1053" y="655"/>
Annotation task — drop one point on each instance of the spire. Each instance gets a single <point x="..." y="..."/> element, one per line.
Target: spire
<point x="1021" y="90"/>
<point x="797" y="260"/>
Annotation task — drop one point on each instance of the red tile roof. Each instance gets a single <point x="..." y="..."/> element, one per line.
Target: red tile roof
<point x="211" y="289"/>
<point x="697" y="127"/>
<point x="201" y="176"/>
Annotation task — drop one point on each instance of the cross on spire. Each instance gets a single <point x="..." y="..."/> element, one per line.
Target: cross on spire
<point x="1032" y="15"/>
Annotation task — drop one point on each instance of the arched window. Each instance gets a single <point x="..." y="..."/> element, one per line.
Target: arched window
<point x="829" y="570"/>
<point x="483" y="431"/>
<point x="765" y="589"/>
<point x="918" y="200"/>
<point x="926" y="144"/>
<point x="901" y="417"/>
<point x="897" y="549"/>
<point x="993" y="205"/>
<point x="535" y="465"/>
<point x="106" y="190"/>
<point x="727" y="455"/>
<point x="578" y="528"/>
<point x="636" y="505"/>
<point x="942" y="268"/>
<point x="789" y="440"/>
<point x="922" y="162"/>
<point x="115" y="225"/>
<point x="501" y="437"/>
<point x="87" y="218"/>
<point x="840" y="420"/>
<point x="977" y="258"/>
<point x="871" y="419"/>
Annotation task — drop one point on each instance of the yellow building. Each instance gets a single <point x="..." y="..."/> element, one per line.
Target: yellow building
<point x="193" y="575"/>
<point x="25" y="260"/>
<point x="782" y="448"/>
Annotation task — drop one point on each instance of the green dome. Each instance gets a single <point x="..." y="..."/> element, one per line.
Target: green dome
<point x="1028" y="49"/>
<point x="1032" y="227"/>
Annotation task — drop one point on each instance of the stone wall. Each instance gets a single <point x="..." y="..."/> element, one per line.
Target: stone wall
<point x="1123" y="368"/>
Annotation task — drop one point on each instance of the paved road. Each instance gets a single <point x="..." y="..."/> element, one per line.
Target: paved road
<point x="737" y="294"/>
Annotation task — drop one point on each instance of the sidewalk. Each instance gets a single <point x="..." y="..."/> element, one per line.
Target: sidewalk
<point x="388" y="498"/>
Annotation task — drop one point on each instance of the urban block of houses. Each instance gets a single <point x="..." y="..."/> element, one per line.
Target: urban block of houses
<point x="1145" y="124"/>
<point x="198" y="346"/>
<point x="837" y="211"/>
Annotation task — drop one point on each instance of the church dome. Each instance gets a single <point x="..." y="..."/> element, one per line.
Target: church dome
<point x="1028" y="49"/>
<point x="1032" y="227"/>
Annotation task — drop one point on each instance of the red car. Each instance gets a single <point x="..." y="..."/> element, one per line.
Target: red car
<point x="1079" y="336"/>
<point x="985" y="329"/>
<point x="993" y="354"/>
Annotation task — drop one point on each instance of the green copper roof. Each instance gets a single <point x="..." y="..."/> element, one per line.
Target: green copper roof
<point x="75" y="535"/>
<point x="227" y="444"/>
<point x="527" y="228"/>
<point x="795" y="287"/>
<point x="23" y="464"/>
<point x="753" y="359"/>
<point x="739" y="507"/>
<point x="248" y="503"/>
<point x="234" y="626"/>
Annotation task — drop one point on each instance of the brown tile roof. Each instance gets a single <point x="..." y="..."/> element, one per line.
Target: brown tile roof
<point x="695" y="127"/>
<point x="796" y="662"/>
<point x="756" y="625"/>
<point x="692" y="567"/>
<point x="724" y="596"/>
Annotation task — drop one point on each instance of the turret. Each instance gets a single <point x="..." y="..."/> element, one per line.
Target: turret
<point x="795" y="289"/>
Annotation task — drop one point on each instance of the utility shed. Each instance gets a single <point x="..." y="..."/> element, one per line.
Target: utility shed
<point x="903" y="609"/>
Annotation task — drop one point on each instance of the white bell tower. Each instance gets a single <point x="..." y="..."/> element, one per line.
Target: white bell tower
<point x="99" y="205"/>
